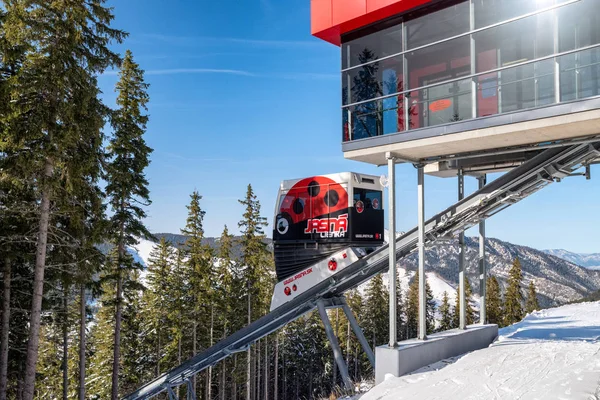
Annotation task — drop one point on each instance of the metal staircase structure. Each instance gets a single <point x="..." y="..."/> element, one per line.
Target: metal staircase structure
<point x="550" y="165"/>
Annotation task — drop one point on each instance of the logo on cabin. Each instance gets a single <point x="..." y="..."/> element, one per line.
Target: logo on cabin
<point x="328" y="227"/>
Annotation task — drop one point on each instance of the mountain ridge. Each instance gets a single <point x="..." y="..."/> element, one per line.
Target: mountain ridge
<point x="558" y="281"/>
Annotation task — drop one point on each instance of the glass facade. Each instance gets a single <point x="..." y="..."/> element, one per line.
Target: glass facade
<point x="473" y="59"/>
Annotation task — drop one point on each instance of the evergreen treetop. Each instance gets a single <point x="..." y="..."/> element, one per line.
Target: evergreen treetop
<point x="513" y="299"/>
<point x="532" y="303"/>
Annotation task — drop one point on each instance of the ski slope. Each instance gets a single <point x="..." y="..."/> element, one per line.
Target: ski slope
<point x="551" y="354"/>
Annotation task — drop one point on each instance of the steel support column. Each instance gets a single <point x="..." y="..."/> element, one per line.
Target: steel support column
<point x="482" y="266"/>
<point x="461" y="259"/>
<point x="337" y="352"/>
<point x="421" y="246"/>
<point x="358" y="332"/>
<point x="392" y="245"/>
<point x="191" y="395"/>
<point x="172" y="395"/>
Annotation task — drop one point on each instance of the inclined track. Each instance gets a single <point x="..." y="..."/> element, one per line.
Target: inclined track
<point x="549" y="166"/>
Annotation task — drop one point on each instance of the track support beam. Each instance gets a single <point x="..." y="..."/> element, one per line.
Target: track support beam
<point x="392" y="275"/>
<point x="422" y="334"/>
<point x="461" y="260"/>
<point x="337" y="352"/>
<point x="358" y="332"/>
<point x="482" y="267"/>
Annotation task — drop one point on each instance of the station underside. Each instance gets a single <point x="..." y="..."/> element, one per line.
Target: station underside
<point x="516" y="137"/>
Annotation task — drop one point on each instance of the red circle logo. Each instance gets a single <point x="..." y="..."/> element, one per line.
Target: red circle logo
<point x="287" y="291"/>
<point x="332" y="265"/>
<point x="360" y="207"/>
<point x="294" y="288"/>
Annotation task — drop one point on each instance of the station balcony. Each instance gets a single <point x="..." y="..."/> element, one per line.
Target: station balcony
<point x="470" y="79"/>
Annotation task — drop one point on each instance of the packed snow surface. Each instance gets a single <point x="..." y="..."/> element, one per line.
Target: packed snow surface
<point x="551" y="354"/>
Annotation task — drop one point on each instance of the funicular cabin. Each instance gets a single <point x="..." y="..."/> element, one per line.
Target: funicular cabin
<point x="318" y="216"/>
<point x="439" y="80"/>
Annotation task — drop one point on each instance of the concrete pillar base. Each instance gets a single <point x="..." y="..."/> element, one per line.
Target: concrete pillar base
<point x="410" y="355"/>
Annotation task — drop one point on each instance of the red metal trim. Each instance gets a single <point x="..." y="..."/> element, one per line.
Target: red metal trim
<point x="331" y="19"/>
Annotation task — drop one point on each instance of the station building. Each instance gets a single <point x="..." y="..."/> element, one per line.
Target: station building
<point x="435" y="81"/>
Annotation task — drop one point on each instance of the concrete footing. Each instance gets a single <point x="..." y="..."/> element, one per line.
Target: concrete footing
<point x="410" y="355"/>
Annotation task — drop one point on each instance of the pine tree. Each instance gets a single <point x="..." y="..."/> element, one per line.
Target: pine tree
<point x="412" y="308"/>
<point x="532" y="303"/>
<point x="446" y="322"/>
<point x="494" y="302"/>
<point x="98" y="381"/>
<point x="65" y="47"/>
<point x="127" y="187"/>
<point x="376" y="321"/>
<point x="199" y="272"/>
<point x="177" y="310"/>
<point x="255" y="257"/>
<point x="400" y="313"/>
<point x="471" y="314"/>
<point x="513" y="309"/>
<point x="157" y="298"/>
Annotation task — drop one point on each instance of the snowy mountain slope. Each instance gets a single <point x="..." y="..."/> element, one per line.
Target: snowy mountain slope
<point x="590" y="261"/>
<point x="558" y="281"/>
<point x="551" y="354"/>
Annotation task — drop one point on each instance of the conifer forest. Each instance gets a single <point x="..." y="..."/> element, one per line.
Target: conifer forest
<point x="81" y="318"/>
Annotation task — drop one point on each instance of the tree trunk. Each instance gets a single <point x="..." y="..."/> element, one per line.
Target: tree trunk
<point x="249" y="360"/>
<point x="5" y="328"/>
<point x="266" y="373"/>
<point x="222" y="389"/>
<point x="158" y="351"/>
<point x="194" y="349"/>
<point x="117" y="342"/>
<point x="65" y="332"/>
<point x="209" y="373"/>
<point x="235" y="388"/>
<point x="257" y="369"/>
<point x="348" y="344"/>
<point x="38" y="289"/>
<point x="276" y="377"/>
<point x="337" y="326"/>
<point x="82" y="321"/>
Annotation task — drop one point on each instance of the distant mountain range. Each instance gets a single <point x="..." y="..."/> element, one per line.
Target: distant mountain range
<point x="558" y="279"/>
<point x="590" y="261"/>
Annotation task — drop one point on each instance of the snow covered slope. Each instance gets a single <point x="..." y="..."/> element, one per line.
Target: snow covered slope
<point x="589" y="261"/>
<point x="551" y="354"/>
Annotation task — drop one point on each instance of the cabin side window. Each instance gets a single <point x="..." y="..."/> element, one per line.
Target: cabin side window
<point x="370" y="198"/>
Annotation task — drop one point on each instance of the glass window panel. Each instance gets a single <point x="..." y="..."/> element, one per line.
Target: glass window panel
<point x="372" y="80"/>
<point x="438" y="63"/>
<point x="379" y="44"/>
<point x="526" y="86"/>
<point x="580" y="75"/>
<point x="439" y="25"/>
<point x="579" y="25"/>
<point x="489" y="12"/>
<point x="443" y="104"/>
<point x="515" y="42"/>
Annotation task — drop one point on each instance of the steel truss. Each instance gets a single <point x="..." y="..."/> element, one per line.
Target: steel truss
<point x="552" y="165"/>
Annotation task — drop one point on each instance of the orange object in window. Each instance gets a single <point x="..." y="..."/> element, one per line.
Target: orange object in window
<point x="440" y="105"/>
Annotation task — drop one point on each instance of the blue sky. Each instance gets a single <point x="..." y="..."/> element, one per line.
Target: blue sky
<point x="241" y="93"/>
